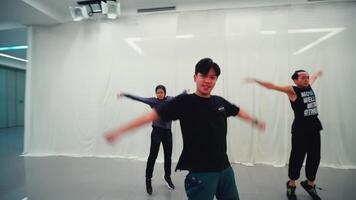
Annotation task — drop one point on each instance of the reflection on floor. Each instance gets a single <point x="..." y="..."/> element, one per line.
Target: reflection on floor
<point x="67" y="178"/>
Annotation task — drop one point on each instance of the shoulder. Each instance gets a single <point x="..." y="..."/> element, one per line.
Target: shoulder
<point x="185" y="96"/>
<point x="180" y="98"/>
<point x="152" y="99"/>
<point x="295" y="89"/>
<point x="219" y="99"/>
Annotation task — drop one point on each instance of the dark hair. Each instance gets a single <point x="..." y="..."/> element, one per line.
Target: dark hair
<point x="295" y="75"/>
<point x="161" y="87"/>
<point x="205" y="64"/>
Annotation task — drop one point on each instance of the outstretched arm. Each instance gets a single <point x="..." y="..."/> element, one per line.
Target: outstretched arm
<point x="315" y="76"/>
<point x="113" y="135"/>
<point x="150" y="101"/>
<point x="249" y="118"/>
<point x="285" y="89"/>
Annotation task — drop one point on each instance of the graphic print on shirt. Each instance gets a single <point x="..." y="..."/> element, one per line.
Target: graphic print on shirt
<point x="221" y="109"/>
<point x="309" y="99"/>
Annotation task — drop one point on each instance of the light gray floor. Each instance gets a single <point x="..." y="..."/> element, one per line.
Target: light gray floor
<point x="66" y="178"/>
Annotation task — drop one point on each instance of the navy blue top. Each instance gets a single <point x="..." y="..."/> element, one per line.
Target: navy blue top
<point x="153" y="102"/>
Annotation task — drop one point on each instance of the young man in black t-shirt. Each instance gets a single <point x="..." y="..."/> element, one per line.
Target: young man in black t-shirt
<point x="203" y="120"/>
<point x="306" y="129"/>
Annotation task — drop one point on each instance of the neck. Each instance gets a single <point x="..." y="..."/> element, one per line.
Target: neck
<point x="300" y="86"/>
<point x="202" y="95"/>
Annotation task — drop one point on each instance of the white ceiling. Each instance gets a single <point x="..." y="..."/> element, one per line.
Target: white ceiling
<point x="16" y="15"/>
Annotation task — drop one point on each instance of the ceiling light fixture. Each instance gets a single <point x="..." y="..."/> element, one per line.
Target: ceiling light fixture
<point x="86" y="9"/>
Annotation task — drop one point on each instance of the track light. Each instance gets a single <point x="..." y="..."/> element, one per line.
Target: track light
<point x="85" y="9"/>
<point x="79" y="13"/>
<point x="111" y="9"/>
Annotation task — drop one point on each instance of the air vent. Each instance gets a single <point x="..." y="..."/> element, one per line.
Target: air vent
<point x="158" y="9"/>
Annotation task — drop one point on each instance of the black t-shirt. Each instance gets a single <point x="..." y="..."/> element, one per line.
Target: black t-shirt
<point x="203" y="123"/>
<point x="305" y="111"/>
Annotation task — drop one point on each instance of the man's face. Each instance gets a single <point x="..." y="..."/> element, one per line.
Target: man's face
<point x="205" y="83"/>
<point x="160" y="94"/>
<point x="303" y="79"/>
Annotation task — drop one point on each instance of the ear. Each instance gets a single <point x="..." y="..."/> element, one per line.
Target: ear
<point x="195" y="78"/>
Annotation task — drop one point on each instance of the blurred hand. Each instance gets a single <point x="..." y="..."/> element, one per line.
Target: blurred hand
<point x="111" y="136"/>
<point x="250" y="80"/>
<point x="119" y="95"/>
<point x="319" y="72"/>
<point x="261" y="125"/>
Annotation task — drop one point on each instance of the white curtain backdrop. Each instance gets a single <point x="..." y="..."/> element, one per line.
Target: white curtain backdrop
<point x="76" y="69"/>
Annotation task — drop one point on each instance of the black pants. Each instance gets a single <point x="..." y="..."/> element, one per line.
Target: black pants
<point x="304" y="143"/>
<point x="159" y="135"/>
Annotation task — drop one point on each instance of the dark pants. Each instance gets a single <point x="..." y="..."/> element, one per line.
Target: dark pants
<point x="159" y="135"/>
<point x="206" y="185"/>
<point x="304" y="143"/>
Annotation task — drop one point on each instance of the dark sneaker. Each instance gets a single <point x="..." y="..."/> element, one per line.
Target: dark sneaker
<point x="149" y="186"/>
<point x="169" y="182"/>
<point x="310" y="189"/>
<point x="291" y="192"/>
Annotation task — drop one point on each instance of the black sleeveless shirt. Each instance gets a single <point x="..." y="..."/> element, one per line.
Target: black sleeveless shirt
<point x="305" y="111"/>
